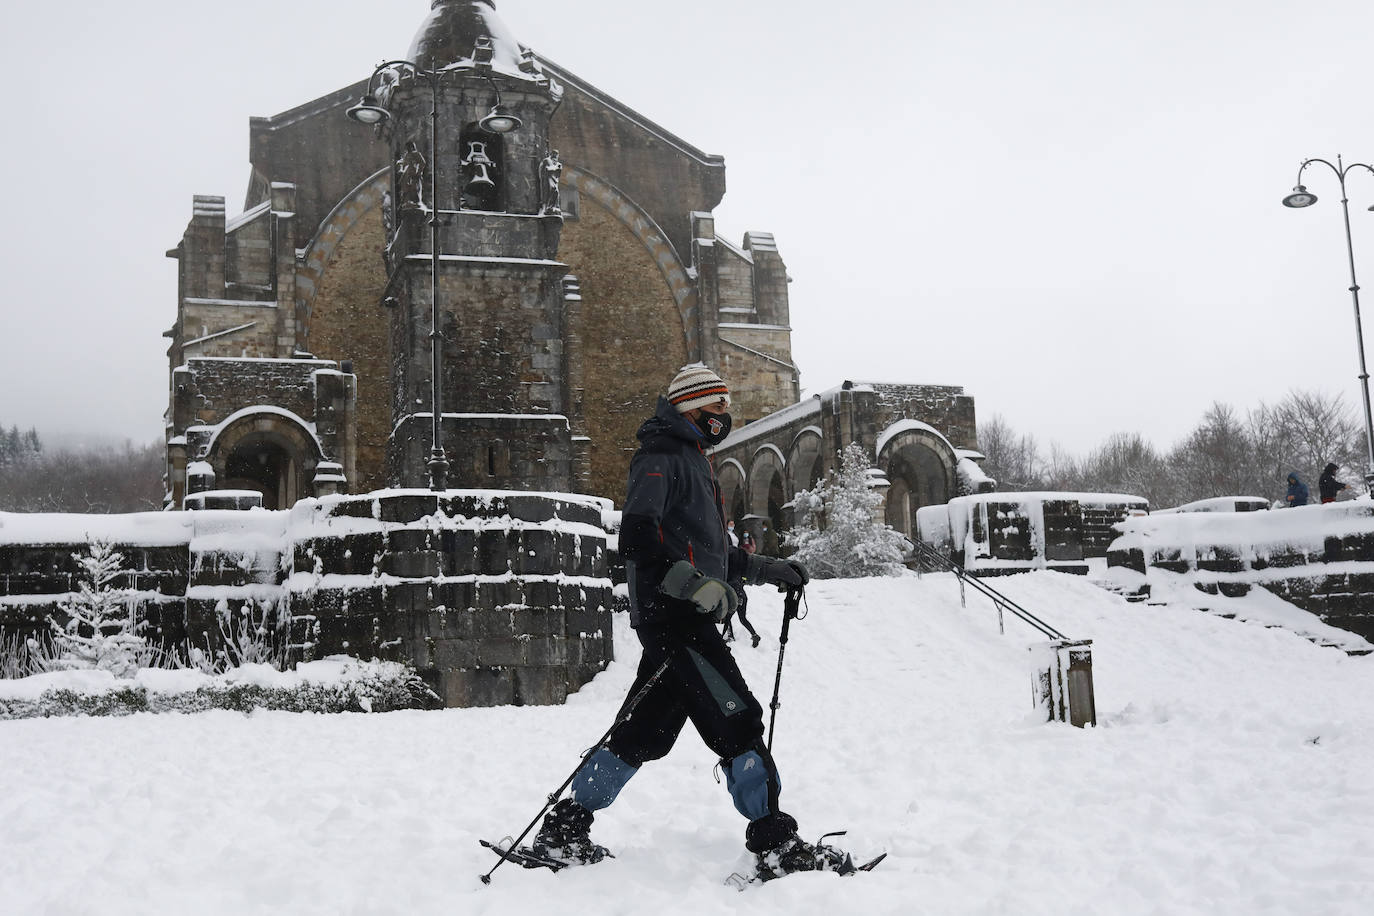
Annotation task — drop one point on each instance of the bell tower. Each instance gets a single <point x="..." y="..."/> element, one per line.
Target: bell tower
<point x="472" y="229"/>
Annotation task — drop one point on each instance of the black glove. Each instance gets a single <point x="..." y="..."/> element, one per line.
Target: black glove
<point x="711" y="596"/>
<point x="782" y="573"/>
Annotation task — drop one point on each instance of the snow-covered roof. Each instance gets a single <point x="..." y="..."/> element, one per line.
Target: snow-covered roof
<point x="775" y="420"/>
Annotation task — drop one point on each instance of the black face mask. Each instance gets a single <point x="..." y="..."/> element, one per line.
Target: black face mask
<point x="714" y="427"/>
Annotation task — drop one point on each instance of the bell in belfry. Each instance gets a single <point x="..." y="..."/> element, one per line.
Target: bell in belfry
<point x="479" y="192"/>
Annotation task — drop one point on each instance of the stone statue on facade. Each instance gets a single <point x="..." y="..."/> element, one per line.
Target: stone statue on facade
<point x="551" y="170"/>
<point x="410" y="173"/>
<point x="389" y="232"/>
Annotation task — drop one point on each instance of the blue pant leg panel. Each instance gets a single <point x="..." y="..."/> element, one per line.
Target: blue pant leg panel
<point x="754" y="785"/>
<point x="600" y="780"/>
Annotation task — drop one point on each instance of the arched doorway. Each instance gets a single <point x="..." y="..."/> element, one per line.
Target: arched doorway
<point x="730" y="477"/>
<point x="258" y="463"/>
<point x="920" y="467"/>
<point x="767" y="498"/>
<point x="269" y="450"/>
<point x="804" y="464"/>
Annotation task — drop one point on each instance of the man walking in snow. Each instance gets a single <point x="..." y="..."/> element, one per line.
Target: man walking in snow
<point x="1297" y="490"/>
<point x="1327" y="485"/>
<point x="678" y="558"/>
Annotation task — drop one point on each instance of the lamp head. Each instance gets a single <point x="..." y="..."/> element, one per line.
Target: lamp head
<point x="1301" y="197"/>
<point x="367" y="111"/>
<point x="499" y="121"/>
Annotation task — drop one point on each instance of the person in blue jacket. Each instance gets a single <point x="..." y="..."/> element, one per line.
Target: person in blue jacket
<point x="1297" y="490"/>
<point x="678" y="561"/>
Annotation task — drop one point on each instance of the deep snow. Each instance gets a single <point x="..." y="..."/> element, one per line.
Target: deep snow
<point x="1231" y="773"/>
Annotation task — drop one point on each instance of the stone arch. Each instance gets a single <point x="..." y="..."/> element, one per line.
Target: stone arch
<point x="768" y="493"/>
<point x="623" y="328"/>
<point x="654" y="240"/>
<point x="266" y="449"/>
<point x="732" y="479"/>
<point x="339" y="286"/>
<point x="805" y="463"/>
<point x="920" y="465"/>
<point x="346" y="214"/>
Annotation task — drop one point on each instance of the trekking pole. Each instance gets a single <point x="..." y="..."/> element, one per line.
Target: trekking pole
<point x="620" y="720"/>
<point x="789" y="610"/>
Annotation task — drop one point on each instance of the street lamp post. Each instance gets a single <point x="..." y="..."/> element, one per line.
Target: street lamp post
<point x="498" y="121"/>
<point x="1300" y="198"/>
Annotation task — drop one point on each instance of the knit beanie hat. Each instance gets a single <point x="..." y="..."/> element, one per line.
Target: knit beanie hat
<point x="697" y="386"/>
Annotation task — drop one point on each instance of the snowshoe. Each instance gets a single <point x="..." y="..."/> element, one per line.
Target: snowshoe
<point x="565" y="836"/>
<point x="795" y="855"/>
<point x="523" y="856"/>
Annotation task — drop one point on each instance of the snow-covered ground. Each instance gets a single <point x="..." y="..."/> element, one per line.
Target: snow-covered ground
<point x="1231" y="773"/>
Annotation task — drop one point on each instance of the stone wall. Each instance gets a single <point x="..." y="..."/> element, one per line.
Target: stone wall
<point x="183" y="568"/>
<point x="945" y="407"/>
<point x="495" y="597"/>
<point x="1319" y="558"/>
<point x="1000" y="533"/>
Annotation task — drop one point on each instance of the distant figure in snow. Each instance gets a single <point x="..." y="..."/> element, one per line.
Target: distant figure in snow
<point x="746" y="541"/>
<point x="737" y="583"/>
<point x="730" y="531"/>
<point x="1297" y="490"/>
<point x="1327" y="485"/>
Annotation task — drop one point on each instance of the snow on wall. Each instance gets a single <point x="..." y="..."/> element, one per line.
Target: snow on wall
<point x="1220" y="504"/>
<point x="1259" y="534"/>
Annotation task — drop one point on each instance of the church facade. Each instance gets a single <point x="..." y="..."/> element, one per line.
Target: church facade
<point x="577" y="268"/>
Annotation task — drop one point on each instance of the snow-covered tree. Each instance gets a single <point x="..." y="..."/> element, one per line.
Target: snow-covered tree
<point x="837" y="534"/>
<point x="101" y="630"/>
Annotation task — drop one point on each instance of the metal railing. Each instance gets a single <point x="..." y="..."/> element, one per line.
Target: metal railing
<point x="927" y="554"/>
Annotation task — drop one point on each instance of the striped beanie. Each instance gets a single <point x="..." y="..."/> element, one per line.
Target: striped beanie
<point x="696" y="386"/>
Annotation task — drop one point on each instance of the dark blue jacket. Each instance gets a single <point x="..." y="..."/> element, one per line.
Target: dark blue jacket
<point x="1297" y="490"/>
<point x="672" y="512"/>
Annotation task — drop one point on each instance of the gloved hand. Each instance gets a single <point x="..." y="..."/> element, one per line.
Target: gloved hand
<point x="711" y="596"/>
<point x="782" y="573"/>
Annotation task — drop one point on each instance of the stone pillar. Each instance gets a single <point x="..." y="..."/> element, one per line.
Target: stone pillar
<point x="706" y="347"/>
<point x="283" y="215"/>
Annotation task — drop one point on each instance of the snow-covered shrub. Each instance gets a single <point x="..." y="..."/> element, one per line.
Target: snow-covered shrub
<point x="101" y="629"/>
<point x="352" y="686"/>
<point x="256" y="635"/>
<point x="836" y="532"/>
<point x="21" y="656"/>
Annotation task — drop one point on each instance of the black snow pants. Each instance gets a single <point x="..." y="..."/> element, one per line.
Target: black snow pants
<point x="702" y="684"/>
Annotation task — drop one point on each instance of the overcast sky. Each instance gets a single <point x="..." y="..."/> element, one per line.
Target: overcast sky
<point x="1069" y="207"/>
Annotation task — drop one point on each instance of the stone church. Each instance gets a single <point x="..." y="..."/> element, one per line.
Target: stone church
<point x="577" y="268"/>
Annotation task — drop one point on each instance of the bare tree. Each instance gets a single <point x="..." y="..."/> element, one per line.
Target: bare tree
<point x="1126" y="463"/>
<point x="1013" y="460"/>
<point x="91" y="480"/>
<point x="1217" y="457"/>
